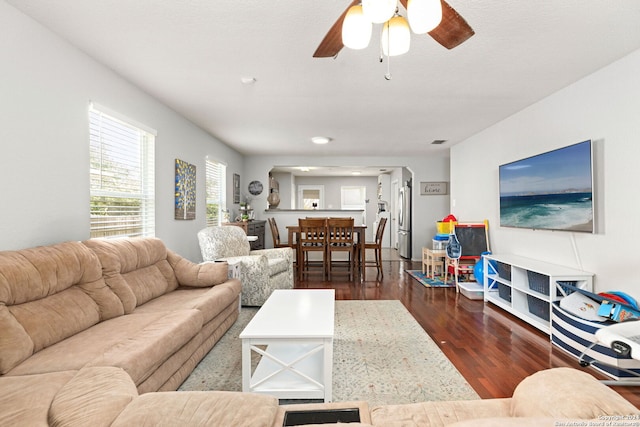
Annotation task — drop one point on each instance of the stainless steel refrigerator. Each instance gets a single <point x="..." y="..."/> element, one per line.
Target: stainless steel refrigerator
<point x="404" y="222"/>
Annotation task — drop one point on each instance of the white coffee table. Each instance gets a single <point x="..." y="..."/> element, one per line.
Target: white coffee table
<point x="296" y="326"/>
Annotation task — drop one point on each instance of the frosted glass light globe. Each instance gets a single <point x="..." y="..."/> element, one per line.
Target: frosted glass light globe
<point x="396" y="36"/>
<point x="356" y="29"/>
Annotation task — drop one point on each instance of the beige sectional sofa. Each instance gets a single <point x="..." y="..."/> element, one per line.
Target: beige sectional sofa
<point x="128" y="303"/>
<point x="89" y="331"/>
<point x="106" y="396"/>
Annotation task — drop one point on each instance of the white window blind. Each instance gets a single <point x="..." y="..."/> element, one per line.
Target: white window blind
<point x="216" y="192"/>
<point x="122" y="177"/>
<point x="353" y="197"/>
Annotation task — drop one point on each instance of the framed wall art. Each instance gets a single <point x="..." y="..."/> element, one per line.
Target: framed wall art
<point x="185" y="191"/>
<point x="236" y="188"/>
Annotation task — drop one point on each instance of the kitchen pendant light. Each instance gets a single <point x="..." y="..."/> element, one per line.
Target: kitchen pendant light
<point x="396" y="36"/>
<point x="424" y="15"/>
<point x="379" y="11"/>
<point x="356" y="29"/>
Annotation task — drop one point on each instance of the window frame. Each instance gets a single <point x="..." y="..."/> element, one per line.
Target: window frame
<point x="346" y="206"/>
<point x="121" y="174"/>
<point x="301" y="190"/>
<point x="211" y="219"/>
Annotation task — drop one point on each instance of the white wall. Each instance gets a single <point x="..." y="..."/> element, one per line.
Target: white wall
<point x="333" y="192"/>
<point x="604" y="107"/>
<point x="46" y="86"/>
<point x="426" y="210"/>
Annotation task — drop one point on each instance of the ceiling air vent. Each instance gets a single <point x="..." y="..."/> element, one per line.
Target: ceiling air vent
<point x="438" y="141"/>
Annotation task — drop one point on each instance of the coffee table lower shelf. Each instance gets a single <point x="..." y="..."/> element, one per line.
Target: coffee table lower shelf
<point x="291" y="369"/>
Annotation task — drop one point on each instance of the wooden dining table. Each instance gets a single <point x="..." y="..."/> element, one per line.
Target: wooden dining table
<point x="294" y="230"/>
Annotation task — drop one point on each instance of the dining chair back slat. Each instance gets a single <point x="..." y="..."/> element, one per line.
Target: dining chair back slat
<point x="312" y="237"/>
<point x="275" y="234"/>
<point x="377" y="248"/>
<point x="340" y="238"/>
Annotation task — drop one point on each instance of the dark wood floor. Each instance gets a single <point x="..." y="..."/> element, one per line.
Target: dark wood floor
<point x="492" y="349"/>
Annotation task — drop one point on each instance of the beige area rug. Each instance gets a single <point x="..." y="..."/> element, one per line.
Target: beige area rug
<point x="381" y="355"/>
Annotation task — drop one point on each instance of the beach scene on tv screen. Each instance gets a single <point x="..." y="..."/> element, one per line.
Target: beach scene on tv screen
<point x="551" y="191"/>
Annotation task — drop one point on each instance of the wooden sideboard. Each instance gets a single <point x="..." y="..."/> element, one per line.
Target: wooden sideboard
<point x="252" y="228"/>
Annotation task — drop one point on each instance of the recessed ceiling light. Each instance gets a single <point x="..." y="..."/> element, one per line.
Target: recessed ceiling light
<point x="320" y="139"/>
<point x="355" y="173"/>
<point x="248" y="80"/>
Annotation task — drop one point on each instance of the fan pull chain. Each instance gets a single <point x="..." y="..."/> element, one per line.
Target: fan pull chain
<point x="388" y="75"/>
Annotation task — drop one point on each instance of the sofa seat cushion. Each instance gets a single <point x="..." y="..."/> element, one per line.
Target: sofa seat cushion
<point x="209" y="301"/>
<point x="93" y="397"/>
<point x="567" y="393"/>
<point x="26" y="399"/>
<point x="434" y="413"/>
<point x="199" y="408"/>
<point x="137" y="343"/>
<point x="278" y="265"/>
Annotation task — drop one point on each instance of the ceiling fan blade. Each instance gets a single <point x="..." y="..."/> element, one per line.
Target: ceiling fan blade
<point x="332" y="42"/>
<point x="453" y="30"/>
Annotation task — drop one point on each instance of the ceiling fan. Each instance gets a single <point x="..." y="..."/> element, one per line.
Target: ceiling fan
<point x="451" y="32"/>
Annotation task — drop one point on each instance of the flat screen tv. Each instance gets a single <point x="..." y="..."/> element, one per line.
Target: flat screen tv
<point x="549" y="191"/>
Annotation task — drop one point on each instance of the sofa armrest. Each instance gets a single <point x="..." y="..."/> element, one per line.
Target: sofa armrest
<point x="201" y="275"/>
<point x="567" y="393"/>
<point x="252" y="267"/>
<point x="95" y="396"/>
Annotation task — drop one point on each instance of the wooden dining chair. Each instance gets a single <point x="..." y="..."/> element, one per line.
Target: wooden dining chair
<point x="340" y="238"/>
<point x="312" y="238"/>
<point x="275" y="234"/>
<point x="376" y="245"/>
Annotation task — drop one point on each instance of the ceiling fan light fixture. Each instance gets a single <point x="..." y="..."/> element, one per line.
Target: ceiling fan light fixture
<point x="424" y="15"/>
<point x="379" y="11"/>
<point x="396" y="36"/>
<point x="356" y="29"/>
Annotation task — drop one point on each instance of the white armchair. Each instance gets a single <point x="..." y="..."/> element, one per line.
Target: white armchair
<point x="261" y="271"/>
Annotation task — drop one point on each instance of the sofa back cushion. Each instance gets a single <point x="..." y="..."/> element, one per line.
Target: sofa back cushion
<point x="567" y="393"/>
<point x="136" y="269"/>
<point x="47" y="294"/>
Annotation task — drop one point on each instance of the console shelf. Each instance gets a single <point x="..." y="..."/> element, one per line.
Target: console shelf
<point x="527" y="287"/>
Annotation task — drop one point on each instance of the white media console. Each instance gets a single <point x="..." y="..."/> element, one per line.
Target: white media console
<point x="527" y="287"/>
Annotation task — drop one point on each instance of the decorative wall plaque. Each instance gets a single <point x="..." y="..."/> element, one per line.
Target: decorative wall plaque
<point x="434" y="188"/>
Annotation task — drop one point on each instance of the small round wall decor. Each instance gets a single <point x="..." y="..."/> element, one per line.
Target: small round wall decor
<point x="255" y="187"/>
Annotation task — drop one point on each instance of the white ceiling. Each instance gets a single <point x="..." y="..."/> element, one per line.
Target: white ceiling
<point x="192" y="54"/>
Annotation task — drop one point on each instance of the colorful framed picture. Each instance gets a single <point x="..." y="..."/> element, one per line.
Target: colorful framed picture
<point x="185" y="192"/>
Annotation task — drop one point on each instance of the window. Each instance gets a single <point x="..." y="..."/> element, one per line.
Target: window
<point x="122" y="199"/>
<point x="310" y="197"/>
<point x="216" y="194"/>
<point x="353" y="197"/>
